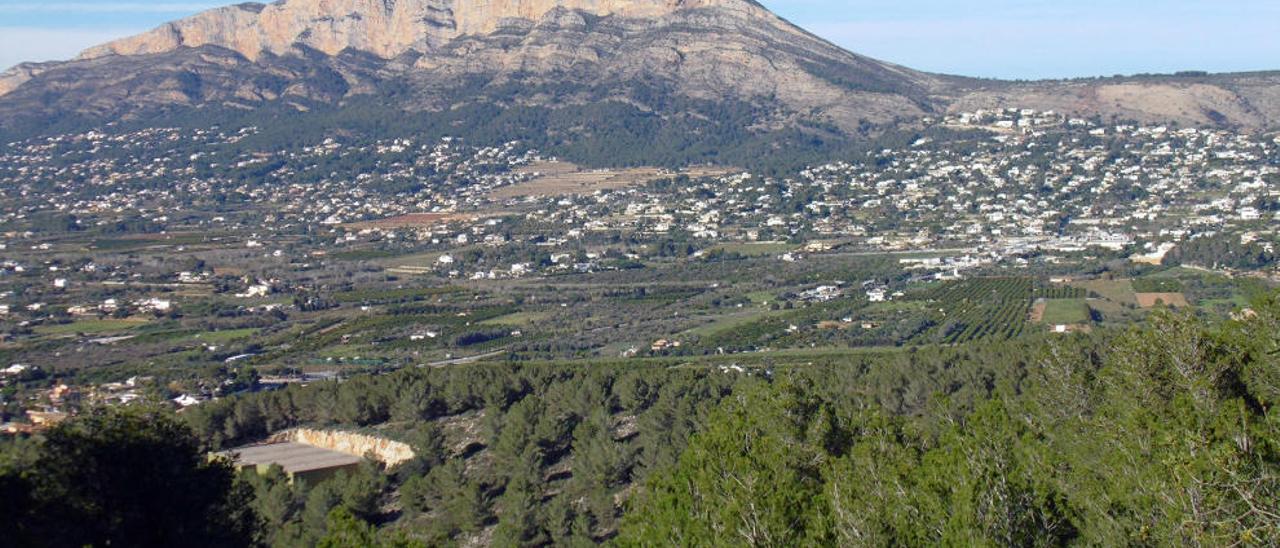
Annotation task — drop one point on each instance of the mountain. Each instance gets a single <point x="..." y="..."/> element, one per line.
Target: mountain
<point x="704" y="76"/>
<point x="326" y="50"/>
<point x="1243" y="101"/>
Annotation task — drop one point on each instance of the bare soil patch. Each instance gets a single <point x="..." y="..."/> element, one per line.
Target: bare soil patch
<point x="563" y="179"/>
<point x="1149" y="300"/>
<point x="1037" y="311"/>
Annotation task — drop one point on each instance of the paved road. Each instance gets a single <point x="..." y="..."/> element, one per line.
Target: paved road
<point x="467" y="359"/>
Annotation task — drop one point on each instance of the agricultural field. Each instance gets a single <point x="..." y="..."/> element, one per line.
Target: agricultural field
<point x="91" y="326"/>
<point x="728" y="323"/>
<point x="1066" y="312"/>
<point x="563" y="178"/>
<point x="225" y="336"/>
<point x="1157" y="284"/>
<point x="756" y="249"/>
<point x="145" y="241"/>
<point x="1060" y="291"/>
<point x="1208" y="291"/>
<point x="982" y="308"/>
<point x="523" y="318"/>
<point x="1113" y="299"/>
<point x="1152" y="300"/>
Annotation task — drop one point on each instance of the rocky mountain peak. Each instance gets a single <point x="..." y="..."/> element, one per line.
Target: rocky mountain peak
<point x="386" y="28"/>
<point x="725" y="66"/>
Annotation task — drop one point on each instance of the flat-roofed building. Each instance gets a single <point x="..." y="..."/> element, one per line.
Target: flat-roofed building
<point x="299" y="461"/>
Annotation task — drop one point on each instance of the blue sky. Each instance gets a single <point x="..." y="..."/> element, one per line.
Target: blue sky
<point x="994" y="38"/>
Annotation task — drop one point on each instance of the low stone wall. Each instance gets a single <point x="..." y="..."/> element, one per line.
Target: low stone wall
<point x="387" y="451"/>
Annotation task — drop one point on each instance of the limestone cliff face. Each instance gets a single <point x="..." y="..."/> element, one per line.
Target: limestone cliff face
<point x="390" y="453"/>
<point x="425" y="56"/>
<point x="710" y="54"/>
<point x="386" y="28"/>
<point x="21" y="74"/>
<point x="248" y="54"/>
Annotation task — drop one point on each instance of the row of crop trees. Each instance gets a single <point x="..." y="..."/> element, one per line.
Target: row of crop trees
<point x="982" y="307"/>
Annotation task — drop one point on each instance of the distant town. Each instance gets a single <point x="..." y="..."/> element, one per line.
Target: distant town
<point x="186" y="248"/>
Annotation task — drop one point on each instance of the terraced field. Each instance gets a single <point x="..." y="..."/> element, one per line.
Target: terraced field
<point x="981" y="308"/>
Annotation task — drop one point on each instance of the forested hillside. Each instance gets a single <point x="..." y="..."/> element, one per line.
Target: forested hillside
<point x="1161" y="434"/>
<point x="1164" y="437"/>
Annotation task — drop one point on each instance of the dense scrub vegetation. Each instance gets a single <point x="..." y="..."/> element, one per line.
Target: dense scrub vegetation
<point x="133" y="477"/>
<point x="653" y="126"/>
<point x="1165" y="438"/>
<point x="1162" y="434"/>
<point x="1223" y="251"/>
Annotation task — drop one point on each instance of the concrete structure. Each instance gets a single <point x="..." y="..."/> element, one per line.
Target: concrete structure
<point x="300" y="461"/>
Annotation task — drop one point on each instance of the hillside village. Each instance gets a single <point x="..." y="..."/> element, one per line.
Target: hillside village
<point x="109" y="234"/>
<point x="1015" y="181"/>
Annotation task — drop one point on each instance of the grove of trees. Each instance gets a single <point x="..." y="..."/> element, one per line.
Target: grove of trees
<point x="1162" y="434"/>
<point x="1164" y="438"/>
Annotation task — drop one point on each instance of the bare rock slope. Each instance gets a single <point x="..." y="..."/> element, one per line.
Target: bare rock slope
<point x="1242" y="101"/>
<point x="250" y="53"/>
<point x="655" y="56"/>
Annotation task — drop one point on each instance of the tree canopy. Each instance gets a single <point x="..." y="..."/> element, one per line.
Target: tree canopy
<point x="1165" y="439"/>
<point x="123" y="477"/>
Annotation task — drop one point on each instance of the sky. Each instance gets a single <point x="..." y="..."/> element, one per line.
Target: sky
<point x="1012" y="39"/>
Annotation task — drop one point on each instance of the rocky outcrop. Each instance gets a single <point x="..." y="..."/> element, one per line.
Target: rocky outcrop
<point x="386" y="28"/>
<point x="18" y="75"/>
<point x="388" y="452"/>
<point x="656" y="56"/>
<point x="327" y="50"/>
<point x="708" y="54"/>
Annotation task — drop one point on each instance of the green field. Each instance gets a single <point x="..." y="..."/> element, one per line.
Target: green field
<point x="417" y="260"/>
<point x="981" y="307"/>
<point x="1157" y="284"/>
<point x="90" y="327"/>
<point x="399" y="295"/>
<point x="126" y="244"/>
<point x="363" y="255"/>
<point x="1114" y="298"/>
<point x="1118" y="291"/>
<point x="518" y="318"/>
<point x="225" y="335"/>
<point x="1065" y="312"/>
<point x="897" y="306"/>
<point x="728" y="322"/>
<point x="757" y="250"/>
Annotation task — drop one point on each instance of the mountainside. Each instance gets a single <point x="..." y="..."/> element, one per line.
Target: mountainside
<point x="727" y="71"/>
<point x="551" y="53"/>
<point x="1246" y="101"/>
<point x="385" y="28"/>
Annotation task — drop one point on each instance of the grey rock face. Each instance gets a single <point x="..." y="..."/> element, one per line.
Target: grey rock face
<point x="251" y="54"/>
<point x="550" y="53"/>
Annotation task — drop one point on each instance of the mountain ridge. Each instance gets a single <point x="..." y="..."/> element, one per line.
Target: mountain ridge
<point x="429" y="56"/>
<point x="702" y="48"/>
